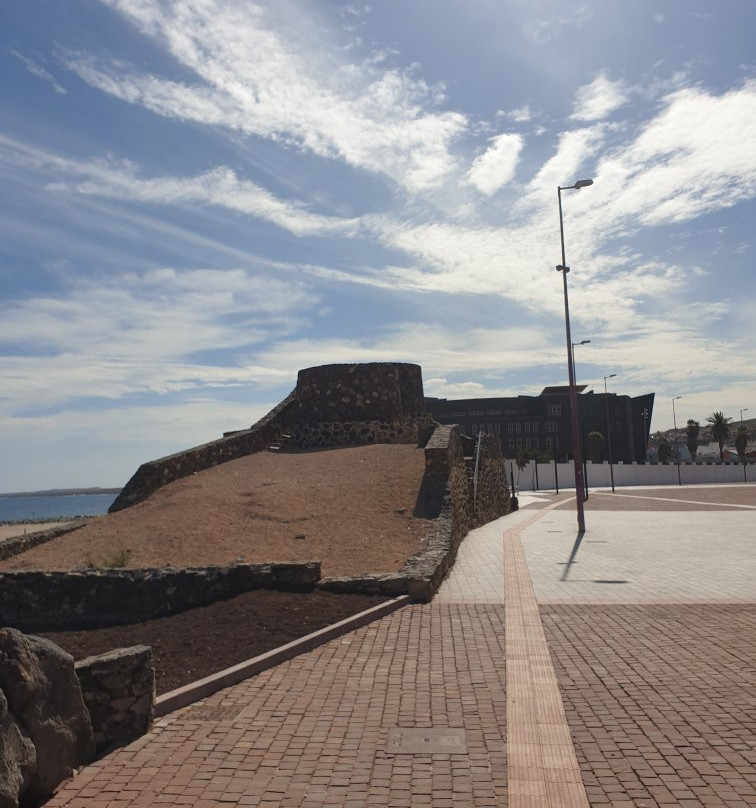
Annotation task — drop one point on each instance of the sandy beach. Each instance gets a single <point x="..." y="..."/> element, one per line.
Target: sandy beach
<point x="8" y="531"/>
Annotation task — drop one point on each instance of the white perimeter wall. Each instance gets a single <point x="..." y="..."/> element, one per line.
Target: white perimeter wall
<point x="552" y="475"/>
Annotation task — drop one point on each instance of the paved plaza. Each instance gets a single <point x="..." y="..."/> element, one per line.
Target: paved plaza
<point x="612" y="670"/>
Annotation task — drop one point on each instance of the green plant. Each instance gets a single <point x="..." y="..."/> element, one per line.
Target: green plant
<point x="663" y="449"/>
<point x="116" y="560"/>
<point x="741" y="442"/>
<point x="720" y="429"/>
<point x="691" y="437"/>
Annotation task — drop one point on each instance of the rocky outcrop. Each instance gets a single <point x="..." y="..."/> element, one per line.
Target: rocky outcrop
<point x="18" y="757"/>
<point x="45" y="708"/>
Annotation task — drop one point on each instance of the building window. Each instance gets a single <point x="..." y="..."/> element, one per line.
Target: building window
<point x="497" y="428"/>
<point x="511" y="443"/>
<point x="518" y="427"/>
<point x="556" y="441"/>
<point x="535" y="426"/>
<point x="555" y="409"/>
<point x="510" y="427"/>
<point x="519" y="443"/>
<point x="551" y="426"/>
<point x="549" y="443"/>
<point x="527" y="443"/>
<point x="527" y="426"/>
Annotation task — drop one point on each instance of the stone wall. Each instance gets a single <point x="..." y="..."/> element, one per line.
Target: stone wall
<point x="492" y="492"/>
<point x="348" y="433"/>
<point x="119" y="693"/>
<point x="20" y="544"/>
<point x="372" y="391"/>
<point x="48" y="601"/>
<point x="156" y="473"/>
<point x="445" y="497"/>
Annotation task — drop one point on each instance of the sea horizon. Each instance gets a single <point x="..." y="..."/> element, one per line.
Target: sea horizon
<point x="59" y="505"/>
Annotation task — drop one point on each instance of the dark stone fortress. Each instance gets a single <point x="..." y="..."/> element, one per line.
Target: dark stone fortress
<point x="332" y="405"/>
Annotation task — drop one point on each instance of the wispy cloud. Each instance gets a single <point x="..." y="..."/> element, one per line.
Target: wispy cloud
<point x="290" y="88"/>
<point x="37" y="70"/>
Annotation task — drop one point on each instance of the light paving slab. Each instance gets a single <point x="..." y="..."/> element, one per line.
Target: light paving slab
<point x="673" y="556"/>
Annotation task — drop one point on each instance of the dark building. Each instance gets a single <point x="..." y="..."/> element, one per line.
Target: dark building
<point x="542" y="423"/>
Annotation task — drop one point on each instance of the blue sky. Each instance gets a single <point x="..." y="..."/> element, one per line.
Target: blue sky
<point x="200" y="198"/>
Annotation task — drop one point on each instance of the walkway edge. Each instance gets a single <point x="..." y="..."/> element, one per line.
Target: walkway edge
<point x="183" y="696"/>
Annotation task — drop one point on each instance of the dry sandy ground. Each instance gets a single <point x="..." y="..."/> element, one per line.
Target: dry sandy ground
<point x="8" y="531"/>
<point x="349" y="508"/>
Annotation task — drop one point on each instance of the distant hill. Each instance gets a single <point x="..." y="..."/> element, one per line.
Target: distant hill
<point x="62" y="492"/>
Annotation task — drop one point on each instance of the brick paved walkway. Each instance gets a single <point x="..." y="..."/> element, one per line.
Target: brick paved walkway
<point x="570" y="690"/>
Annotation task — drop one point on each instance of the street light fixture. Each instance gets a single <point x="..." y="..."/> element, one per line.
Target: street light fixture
<point x="564" y="269"/>
<point x="608" y="429"/>
<point x="745" y="409"/>
<point x="677" y="449"/>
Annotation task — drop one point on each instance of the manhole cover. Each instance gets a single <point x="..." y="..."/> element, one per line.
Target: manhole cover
<point x="402" y="740"/>
<point x="206" y="712"/>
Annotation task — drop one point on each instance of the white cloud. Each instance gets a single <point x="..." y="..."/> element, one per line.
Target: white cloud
<point x="599" y="99"/>
<point x="138" y="334"/>
<point x="220" y="187"/>
<point x="289" y="88"/>
<point x="39" y="71"/>
<point x="496" y="166"/>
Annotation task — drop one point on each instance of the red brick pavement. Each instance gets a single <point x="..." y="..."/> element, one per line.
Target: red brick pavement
<point x="661" y="701"/>
<point x="313" y="731"/>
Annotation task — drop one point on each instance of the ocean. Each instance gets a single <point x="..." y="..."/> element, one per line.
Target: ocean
<point x="47" y="508"/>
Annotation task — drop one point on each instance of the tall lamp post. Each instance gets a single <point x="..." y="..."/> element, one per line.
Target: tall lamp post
<point x="745" y="409"/>
<point x="677" y="448"/>
<point x="644" y="414"/>
<point x="608" y="429"/>
<point x="564" y="269"/>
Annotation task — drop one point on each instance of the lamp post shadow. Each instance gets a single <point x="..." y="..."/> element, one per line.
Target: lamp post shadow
<point x="573" y="555"/>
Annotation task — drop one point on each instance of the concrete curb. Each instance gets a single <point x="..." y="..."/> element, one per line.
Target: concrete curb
<point x="183" y="696"/>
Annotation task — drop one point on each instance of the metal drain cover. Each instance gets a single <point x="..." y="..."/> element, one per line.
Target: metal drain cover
<point x="207" y="712"/>
<point x="402" y="740"/>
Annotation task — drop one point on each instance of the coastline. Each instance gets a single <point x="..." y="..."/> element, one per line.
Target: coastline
<point x="10" y="529"/>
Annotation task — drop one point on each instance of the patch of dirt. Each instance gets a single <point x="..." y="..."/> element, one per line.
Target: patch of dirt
<point x="349" y="508"/>
<point x="198" y="642"/>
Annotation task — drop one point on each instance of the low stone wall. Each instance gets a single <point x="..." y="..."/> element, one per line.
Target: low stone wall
<point x="20" y="544"/>
<point x="156" y="473"/>
<point x="119" y="693"/>
<point x="446" y="497"/>
<point x="49" y="601"/>
<point x="492" y="497"/>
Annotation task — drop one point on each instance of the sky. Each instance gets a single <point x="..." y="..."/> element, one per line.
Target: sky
<point x="201" y="197"/>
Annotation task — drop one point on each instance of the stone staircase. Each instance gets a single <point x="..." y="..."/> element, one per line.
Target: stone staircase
<point x="284" y="439"/>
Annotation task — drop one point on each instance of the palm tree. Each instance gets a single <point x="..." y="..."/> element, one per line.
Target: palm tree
<point x="720" y="429"/>
<point x="663" y="448"/>
<point x="741" y="442"/>
<point x="691" y="438"/>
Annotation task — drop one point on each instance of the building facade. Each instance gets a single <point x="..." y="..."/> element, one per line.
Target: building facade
<point x="542" y="423"/>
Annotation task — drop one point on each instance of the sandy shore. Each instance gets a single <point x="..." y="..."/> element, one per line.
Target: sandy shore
<point x="8" y="531"/>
